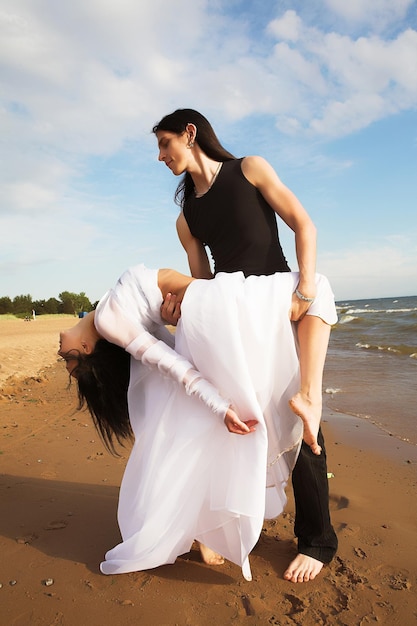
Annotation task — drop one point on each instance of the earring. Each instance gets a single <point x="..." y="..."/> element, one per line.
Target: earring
<point x="190" y="144"/>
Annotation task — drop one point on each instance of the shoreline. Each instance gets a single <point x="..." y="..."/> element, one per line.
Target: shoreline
<point x="366" y="434"/>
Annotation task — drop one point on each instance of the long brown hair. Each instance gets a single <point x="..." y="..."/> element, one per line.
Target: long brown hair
<point x="206" y="138"/>
<point x="102" y="385"/>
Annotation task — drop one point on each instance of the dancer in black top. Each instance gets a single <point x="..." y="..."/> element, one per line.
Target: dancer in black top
<point x="239" y="237"/>
<point x="230" y="206"/>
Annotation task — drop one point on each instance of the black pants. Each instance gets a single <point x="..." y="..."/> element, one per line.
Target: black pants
<point x="313" y="529"/>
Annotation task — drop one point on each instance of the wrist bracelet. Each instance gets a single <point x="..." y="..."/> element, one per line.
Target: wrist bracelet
<point x="303" y="298"/>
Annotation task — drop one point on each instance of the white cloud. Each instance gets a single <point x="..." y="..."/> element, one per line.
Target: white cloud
<point x="342" y="118"/>
<point x="87" y="72"/>
<point x="371" y="80"/>
<point x="43" y="238"/>
<point x="380" y="13"/>
<point x="370" y="64"/>
<point x="372" y="270"/>
<point x="32" y="179"/>
<point x="289" y="27"/>
<point x="81" y="79"/>
<point x="344" y="84"/>
<point x="89" y="75"/>
<point x="298" y="67"/>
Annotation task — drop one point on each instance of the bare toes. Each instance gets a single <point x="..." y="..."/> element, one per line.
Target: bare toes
<point x="303" y="569"/>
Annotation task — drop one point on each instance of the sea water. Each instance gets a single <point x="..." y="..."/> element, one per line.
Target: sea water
<point x="371" y="368"/>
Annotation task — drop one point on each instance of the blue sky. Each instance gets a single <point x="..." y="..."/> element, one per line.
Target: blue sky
<point x="325" y="90"/>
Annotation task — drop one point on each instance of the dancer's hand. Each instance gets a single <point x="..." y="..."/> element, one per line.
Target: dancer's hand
<point x="171" y="309"/>
<point x="236" y="426"/>
<point x="298" y="308"/>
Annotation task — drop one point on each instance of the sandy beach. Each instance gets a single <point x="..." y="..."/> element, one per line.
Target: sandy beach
<point x="59" y="490"/>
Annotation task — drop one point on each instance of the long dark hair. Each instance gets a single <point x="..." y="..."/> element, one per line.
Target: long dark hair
<point x="206" y="138"/>
<point x="102" y="382"/>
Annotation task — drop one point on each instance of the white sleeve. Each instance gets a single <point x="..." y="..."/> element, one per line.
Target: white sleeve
<point x="156" y="354"/>
<point x="116" y="324"/>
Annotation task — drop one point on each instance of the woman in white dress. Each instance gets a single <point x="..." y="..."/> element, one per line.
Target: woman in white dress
<point x="187" y="476"/>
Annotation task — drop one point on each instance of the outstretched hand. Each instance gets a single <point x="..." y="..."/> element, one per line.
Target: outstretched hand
<point x="171" y="309"/>
<point x="236" y="426"/>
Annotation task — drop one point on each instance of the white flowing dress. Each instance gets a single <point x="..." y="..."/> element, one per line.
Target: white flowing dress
<point x="187" y="477"/>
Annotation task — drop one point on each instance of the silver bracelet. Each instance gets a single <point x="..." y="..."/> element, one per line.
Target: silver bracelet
<point x="303" y="298"/>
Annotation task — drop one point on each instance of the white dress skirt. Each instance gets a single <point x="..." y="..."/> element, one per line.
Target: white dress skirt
<point x="187" y="477"/>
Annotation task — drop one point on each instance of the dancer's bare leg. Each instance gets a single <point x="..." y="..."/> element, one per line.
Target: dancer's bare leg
<point x="209" y="556"/>
<point x="313" y="338"/>
<point x="302" y="569"/>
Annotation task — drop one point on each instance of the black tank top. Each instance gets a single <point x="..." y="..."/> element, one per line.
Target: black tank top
<point x="237" y="224"/>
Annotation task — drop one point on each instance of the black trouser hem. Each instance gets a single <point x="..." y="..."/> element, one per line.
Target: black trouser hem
<point x="313" y="528"/>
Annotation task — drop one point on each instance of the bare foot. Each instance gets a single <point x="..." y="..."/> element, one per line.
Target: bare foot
<point x="209" y="556"/>
<point x="302" y="569"/>
<point x="310" y="413"/>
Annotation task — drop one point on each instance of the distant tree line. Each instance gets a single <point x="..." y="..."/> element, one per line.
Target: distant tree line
<point x="70" y="303"/>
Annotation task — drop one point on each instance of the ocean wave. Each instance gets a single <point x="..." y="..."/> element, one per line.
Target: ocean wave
<point x="400" y="349"/>
<point x="401" y="310"/>
<point x="361" y="311"/>
<point x="345" y="319"/>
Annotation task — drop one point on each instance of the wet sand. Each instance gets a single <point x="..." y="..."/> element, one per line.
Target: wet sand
<point x="59" y="490"/>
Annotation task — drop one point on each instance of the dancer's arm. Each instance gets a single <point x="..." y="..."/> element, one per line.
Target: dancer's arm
<point x="196" y="253"/>
<point x="119" y="326"/>
<point x="285" y="203"/>
<point x="156" y="354"/>
<point x="199" y="267"/>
